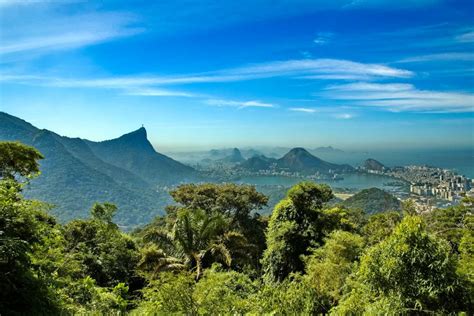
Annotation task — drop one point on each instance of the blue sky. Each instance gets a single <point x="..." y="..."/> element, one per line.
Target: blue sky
<point x="202" y="74"/>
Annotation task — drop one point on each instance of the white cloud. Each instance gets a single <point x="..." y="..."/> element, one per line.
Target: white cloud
<point x="368" y="86"/>
<point x="49" y="32"/>
<point x="304" y="110"/>
<point x="306" y="69"/>
<point x="323" y="38"/>
<point x="467" y="37"/>
<point x="309" y="67"/>
<point x="344" y="116"/>
<point x="452" y="56"/>
<point x="239" y="104"/>
<point x="158" y="93"/>
<point x="401" y="97"/>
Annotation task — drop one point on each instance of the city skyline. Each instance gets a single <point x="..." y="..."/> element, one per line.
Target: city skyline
<point x="351" y="74"/>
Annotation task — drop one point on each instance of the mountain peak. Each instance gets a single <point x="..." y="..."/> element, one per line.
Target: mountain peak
<point x="141" y="132"/>
<point x="234" y="157"/>
<point x="299" y="151"/>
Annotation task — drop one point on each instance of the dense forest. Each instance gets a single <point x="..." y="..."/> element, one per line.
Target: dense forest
<point x="213" y="254"/>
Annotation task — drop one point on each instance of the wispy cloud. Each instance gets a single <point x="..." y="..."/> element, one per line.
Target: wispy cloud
<point x="304" y="110"/>
<point x="318" y="67"/>
<point x="344" y="116"/>
<point x="467" y="37"/>
<point x="451" y="56"/>
<point x="402" y="97"/>
<point x="159" y="93"/>
<point x="65" y="32"/>
<point x="322" y="38"/>
<point x="239" y="104"/>
<point x="307" y="69"/>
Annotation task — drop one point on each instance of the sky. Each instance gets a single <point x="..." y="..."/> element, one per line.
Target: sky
<point x="353" y="74"/>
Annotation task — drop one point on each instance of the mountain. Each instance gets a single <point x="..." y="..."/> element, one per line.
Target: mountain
<point x="234" y="157"/>
<point x="76" y="173"/>
<point x="300" y="160"/>
<point x="372" y="164"/>
<point x="373" y="201"/>
<point x="249" y="153"/>
<point x="257" y="163"/>
<point x="133" y="152"/>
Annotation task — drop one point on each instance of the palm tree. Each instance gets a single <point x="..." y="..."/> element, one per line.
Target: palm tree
<point x="154" y="260"/>
<point x="197" y="236"/>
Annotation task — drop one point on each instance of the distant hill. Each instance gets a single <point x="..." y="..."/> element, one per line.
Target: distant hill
<point x="300" y="160"/>
<point x="234" y="157"/>
<point x="296" y="160"/>
<point x="249" y="153"/>
<point x="372" y="164"/>
<point x="257" y="163"/>
<point x="373" y="201"/>
<point x="76" y="173"/>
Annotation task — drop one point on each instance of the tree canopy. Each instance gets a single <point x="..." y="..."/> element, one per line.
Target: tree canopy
<point x="213" y="254"/>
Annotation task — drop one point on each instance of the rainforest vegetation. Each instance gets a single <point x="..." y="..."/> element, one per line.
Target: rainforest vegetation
<point x="214" y="254"/>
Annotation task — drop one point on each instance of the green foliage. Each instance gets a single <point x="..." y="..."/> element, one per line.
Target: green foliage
<point x="373" y="201"/>
<point x="238" y="203"/>
<point x="202" y="258"/>
<point x="296" y="224"/>
<point x="103" y="212"/>
<point x="21" y="222"/>
<point x="328" y="267"/>
<point x="452" y="223"/>
<point x="17" y="159"/>
<point x="411" y="271"/>
<point x="379" y="226"/>
<point x="105" y="253"/>
<point x="466" y="260"/>
<point x="224" y="293"/>
<point x="169" y="294"/>
<point x="292" y="296"/>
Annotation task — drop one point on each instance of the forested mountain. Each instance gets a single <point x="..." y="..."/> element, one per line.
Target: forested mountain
<point x="257" y="163"/>
<point x="296" y="160"/>
<point x="77" y="173"/>
<point x="234" y="157"/>
<point x="133" y="152"/>
<point x="372" y="164"/>
<point x="373" y="201"/>
<point x="300" y="160"/>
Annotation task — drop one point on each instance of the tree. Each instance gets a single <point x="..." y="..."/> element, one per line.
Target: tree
<point x="451" y="223"/>
<point x="17" y="159"/>
<point x="238" y="203"/>
<point x="200" y="239"/>
<point x="381" y="225"/>
<point x="22" y="223"/>
<point x="297" y="223"/>
<point x="409" y="271"/>
<point x="106" y="254"/>
<point x="328" y="267"/>
<point x="103" y="212"/>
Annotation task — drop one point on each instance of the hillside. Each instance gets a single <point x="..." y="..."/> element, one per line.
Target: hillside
<point x="373" y="201"/>
<point x="300" y="160"/>
<point x="76" y="173"/>
<point x="374" y="165"/>
<point x="234" y="157"/>
<point x="133" y="152"/>
<point x="257" y="163"/>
